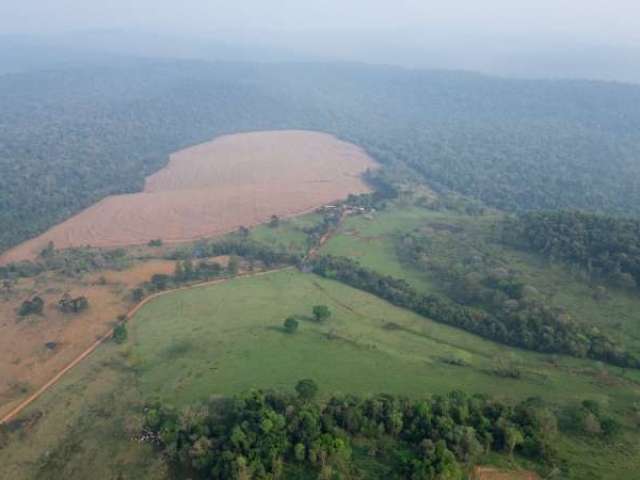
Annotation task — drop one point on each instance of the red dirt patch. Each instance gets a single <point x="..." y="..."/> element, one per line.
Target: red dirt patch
<point x="216" y="187"/>
<point x="25" y="360"/>
<point x="490" y="473"/>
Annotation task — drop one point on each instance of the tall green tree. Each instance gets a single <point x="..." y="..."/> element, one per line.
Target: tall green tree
<point x="321" y="313"/>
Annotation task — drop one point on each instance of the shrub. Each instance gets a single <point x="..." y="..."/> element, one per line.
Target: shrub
<point x="120" y="333"/>
<point x="33" y="306"/>
<point x="321" y="313"/>
<point x="307" y="389"/>
<point x="291" y="325"/>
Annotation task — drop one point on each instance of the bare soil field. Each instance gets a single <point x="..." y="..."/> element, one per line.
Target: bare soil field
<point x="216" y="187"/>
<point x="34" y="348"/>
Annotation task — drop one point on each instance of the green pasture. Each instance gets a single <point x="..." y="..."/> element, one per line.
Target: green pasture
<point x="218" y="340"/>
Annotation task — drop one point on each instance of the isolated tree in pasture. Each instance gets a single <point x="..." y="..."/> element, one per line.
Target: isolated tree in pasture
<point x="120" y="333"/>
<point x="274" y="222"/>
<point x="291" y="325"/>
<point x="321" y="313"/>
<point x="306" y="389"/>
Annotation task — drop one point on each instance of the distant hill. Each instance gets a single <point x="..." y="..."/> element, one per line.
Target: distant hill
<point x="516" y="56"/>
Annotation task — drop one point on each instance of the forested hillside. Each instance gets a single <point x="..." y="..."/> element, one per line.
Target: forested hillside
<point x="70" y="137"/>
<point x="604" y="246"/>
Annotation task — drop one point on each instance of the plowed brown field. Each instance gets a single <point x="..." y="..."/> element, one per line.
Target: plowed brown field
<point x="216" y="187"/>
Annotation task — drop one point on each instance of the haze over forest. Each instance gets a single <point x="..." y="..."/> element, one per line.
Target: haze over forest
<point x="568" y="38"/>
<point x="354" y="240"/>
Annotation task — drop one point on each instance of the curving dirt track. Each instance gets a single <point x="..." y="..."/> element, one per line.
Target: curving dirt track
<point x="25" y="360"/>
<point x="216" y="187"/>
<point x="106" y="336"/>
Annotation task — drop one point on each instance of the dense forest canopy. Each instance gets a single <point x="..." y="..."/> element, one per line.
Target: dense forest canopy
<point x="277" y="435"/>
<point x="70" y="137"/>
<point x="606" y="247"/>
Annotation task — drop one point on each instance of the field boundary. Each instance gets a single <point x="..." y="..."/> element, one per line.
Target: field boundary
<point x="312" y="253"/>
<point x="129" y="315"/>
<point x="212" y="188"/>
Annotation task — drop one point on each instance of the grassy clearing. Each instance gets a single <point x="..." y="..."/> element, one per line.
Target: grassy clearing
<point x="618" y="314"/>
<point x="374" y="243"/>
<point x="226" y="338"/>
<point x="289" y="234"/>
<point x="84" y="427"/>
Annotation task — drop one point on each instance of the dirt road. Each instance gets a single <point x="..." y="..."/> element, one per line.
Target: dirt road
<point x="313" y="252"/>
<point x="130" y="314"/>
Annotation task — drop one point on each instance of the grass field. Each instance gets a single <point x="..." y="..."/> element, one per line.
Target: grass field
<point x="289" y="235"/>
<point x="371" y="241"/>
<point x="374" y="243"/>
<point x="226" y="338"/>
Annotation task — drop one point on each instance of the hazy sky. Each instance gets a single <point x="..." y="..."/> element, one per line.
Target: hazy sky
<point x="605" y="21"/>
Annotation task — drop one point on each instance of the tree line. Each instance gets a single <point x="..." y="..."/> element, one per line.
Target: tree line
<point x="193" y="263"/>
<point x="268" y="434"/>
<point x="534" y="326"/>
<point x="238" y="245"/>
<point x="69" y="262"/>
<point x="605" y="246"/>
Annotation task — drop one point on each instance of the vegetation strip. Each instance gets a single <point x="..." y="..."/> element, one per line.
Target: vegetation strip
<point x="259" y="434"/>
<point x="606" y="247"/>
<point x="224" y="247"/>
<point x="568" y="338"/>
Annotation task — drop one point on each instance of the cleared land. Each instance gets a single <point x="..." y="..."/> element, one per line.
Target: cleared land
<point x="216" y="187"/>
<point x="223" y="339"/>
<point x="34" y="348"/>
<point x="226" y="338"/>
